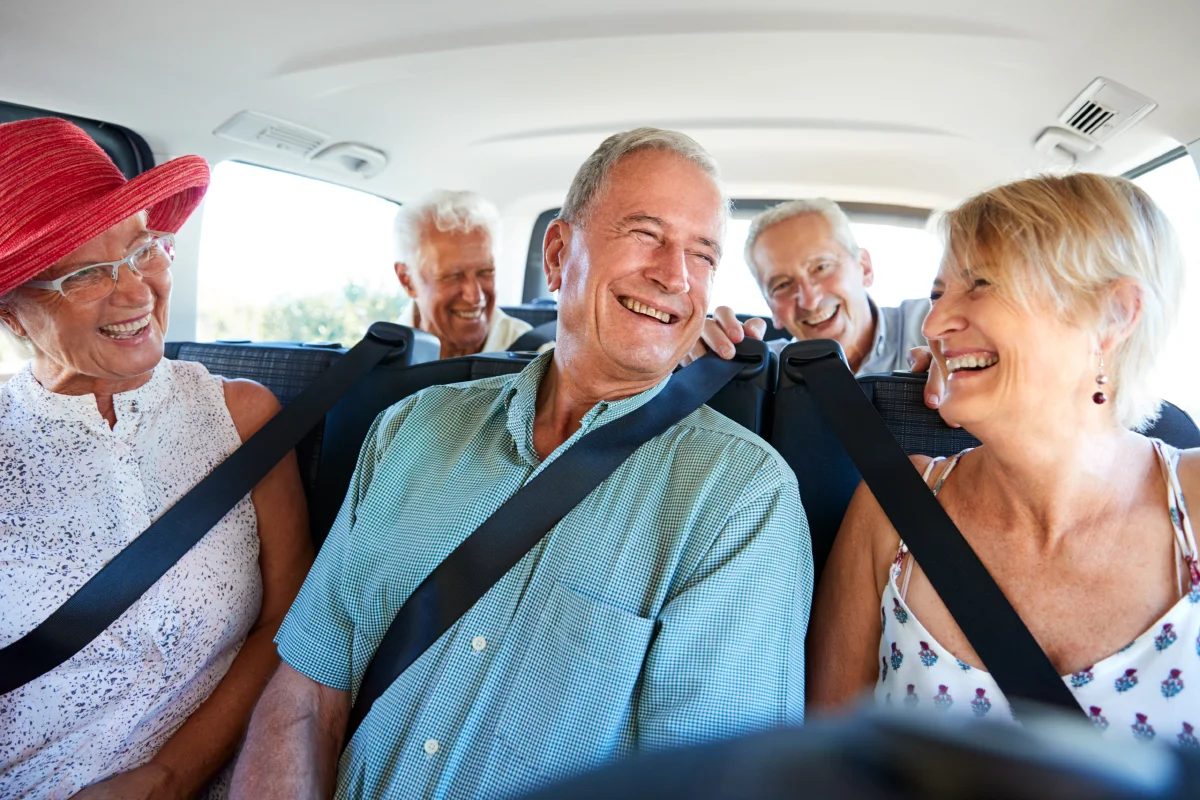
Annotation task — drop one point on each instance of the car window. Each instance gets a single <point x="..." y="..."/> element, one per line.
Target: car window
<point x="1175" y="187"/>
<point x="905" y="259"/>
<point x="289" y="258"/>
<point x="12" y="356"/>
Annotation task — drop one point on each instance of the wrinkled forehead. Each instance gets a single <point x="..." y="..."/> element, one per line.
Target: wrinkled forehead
<point x="797" y="243"/>
<point x="445" y="252"/>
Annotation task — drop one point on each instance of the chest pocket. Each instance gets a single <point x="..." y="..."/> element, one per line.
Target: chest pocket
<point x="569" y="702"/>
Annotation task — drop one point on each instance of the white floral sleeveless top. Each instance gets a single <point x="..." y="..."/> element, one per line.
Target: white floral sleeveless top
<point x="1141" y="693"/>
<point x="73" y="493"/>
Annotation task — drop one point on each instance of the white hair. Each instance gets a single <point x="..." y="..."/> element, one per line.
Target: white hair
<point x="446" y="211"/>
<point x="592" y="175"/>
<point x="839" y="223"/>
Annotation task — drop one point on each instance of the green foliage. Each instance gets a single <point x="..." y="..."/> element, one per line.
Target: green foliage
<point x="311" y="318"/>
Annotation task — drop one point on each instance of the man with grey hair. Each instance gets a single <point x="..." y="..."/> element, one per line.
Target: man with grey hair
<point x="669" y="607"/>
<point x="815" y="277"/>
<point x="445" y="259"/>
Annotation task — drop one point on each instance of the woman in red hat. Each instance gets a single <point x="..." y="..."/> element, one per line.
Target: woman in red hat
<point x="99" y="435"/>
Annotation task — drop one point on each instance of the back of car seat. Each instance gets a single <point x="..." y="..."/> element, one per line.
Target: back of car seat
<point x="346" y="425"/>
<point x="828" y="478"/>
<point x="287" y="368"/>
<point x="534" y="313"/>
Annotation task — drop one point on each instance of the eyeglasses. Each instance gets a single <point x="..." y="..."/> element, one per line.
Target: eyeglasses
<point x="97" y="281"/>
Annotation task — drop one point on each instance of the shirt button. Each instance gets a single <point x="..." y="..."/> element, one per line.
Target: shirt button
<point x="479" y="644"/>
<point x="431" y="747"/>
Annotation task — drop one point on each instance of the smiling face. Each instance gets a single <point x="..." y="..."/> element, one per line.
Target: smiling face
<point x="815" y="287"/>
<point x="634" y="277"/>
<point x="109" y="345"/>
<point x="454" y="288"/>
<point x="1005" y="363"/>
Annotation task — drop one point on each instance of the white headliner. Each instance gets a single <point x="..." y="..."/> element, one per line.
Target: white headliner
<point x="855" y="99"/>
<point x="918" y="103"/>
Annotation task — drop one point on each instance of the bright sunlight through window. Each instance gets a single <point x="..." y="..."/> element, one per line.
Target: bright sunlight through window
<point x="288" y="258"/>
<point x="1175" y="187"/>
<point x="905" y="260"/>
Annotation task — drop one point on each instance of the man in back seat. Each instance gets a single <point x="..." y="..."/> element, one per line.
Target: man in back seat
<point x="669" y="607"/>
<point x="815" y="277"/>
<point x="445" y="260"/>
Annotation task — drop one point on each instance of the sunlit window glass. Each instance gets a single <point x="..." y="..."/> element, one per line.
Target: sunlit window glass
<point x="1175" y="187"/>
<point x="288" y="258"/>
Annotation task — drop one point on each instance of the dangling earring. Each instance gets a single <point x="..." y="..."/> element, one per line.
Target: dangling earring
<point x="1100" y="398"/>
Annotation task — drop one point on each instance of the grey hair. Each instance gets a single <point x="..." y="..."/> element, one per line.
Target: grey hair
<point x="23" y="343"/>
<point x="838" y="222"/>
<point x="446" y="211"/>
<point x="593" y="174"/>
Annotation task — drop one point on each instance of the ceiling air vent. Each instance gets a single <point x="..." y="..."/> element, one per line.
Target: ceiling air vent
<point x="272" y="133"/>
<point x="1104" y="109"/>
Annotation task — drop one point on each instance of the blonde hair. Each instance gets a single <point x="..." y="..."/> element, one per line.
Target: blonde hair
<point x="1061" y="243"/>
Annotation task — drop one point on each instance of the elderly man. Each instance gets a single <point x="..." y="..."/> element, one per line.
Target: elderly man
<point x="815" y="278"/>
<point x="670" y="606"/>
<point x="445" y="260"/>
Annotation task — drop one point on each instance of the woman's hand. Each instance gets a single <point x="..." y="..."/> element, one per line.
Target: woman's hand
<point x="148" y="782"/>
<point x="920" y="359"/>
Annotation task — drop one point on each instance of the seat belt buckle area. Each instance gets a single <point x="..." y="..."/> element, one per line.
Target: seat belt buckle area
<point x="388" y="333"/>
<point x="806" y="351"/>
<point x="755" y="355"/>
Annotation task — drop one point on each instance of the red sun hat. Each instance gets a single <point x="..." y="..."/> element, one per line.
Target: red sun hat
<point x="59" y="190"/>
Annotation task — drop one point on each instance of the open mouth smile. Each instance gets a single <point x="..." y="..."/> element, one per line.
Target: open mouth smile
<point x="638" y="307"/>
<point x="972" y="362"/>
<point x="126" y="330"/>
<point x="821" y="317"/>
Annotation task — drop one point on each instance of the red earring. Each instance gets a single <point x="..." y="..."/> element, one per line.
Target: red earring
<point x="1100" y="398"/>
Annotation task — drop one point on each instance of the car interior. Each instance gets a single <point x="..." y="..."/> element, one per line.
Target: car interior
<point x="320" y="120"/>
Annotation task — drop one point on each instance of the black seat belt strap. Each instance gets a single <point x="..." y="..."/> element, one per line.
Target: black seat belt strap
<point x="985" y="616"/>
<point x="495" y="547"/>
<point x="123" y="580"/>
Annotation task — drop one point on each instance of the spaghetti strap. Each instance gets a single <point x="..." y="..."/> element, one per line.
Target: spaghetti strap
<point x="933" y="462"/>
<point x="1185" y="537"/>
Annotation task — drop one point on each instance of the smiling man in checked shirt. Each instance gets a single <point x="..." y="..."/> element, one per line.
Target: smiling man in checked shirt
<point x="669" y="607"/>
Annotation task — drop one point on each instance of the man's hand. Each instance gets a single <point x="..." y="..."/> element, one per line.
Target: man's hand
<point x="920" y="359"/>
<point x="722" y="332"/>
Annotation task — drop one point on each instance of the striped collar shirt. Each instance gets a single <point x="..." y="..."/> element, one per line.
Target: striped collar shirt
<point x="669" y="607"/>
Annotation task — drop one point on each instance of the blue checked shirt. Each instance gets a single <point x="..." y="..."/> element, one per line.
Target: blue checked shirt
<point x="669" y="607"/>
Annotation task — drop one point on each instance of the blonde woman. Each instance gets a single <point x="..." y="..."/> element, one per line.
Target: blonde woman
<point x="1054" y="298"/>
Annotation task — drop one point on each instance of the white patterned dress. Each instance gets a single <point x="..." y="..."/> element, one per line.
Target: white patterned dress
<point x="73" y="493"/>
<point x="1144" y="692"/>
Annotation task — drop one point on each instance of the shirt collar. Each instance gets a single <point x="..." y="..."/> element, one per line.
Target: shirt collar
<point x="129" y="406"/>
<point x="880" y="321"/>
<point x="520" y="403"/>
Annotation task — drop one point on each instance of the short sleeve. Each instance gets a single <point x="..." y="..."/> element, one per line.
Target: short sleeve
<point x="317" y="634"/>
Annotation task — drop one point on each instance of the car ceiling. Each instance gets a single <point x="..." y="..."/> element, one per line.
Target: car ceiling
<point x="918" y="103"/>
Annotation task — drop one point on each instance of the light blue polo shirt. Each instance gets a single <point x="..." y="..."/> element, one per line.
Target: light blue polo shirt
<point x="669" y="607"/>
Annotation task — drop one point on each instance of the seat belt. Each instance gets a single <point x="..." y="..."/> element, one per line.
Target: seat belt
<point x="503" y="539"/>
<point x="123" y="580"/>
<point x="1009" y="652"/>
